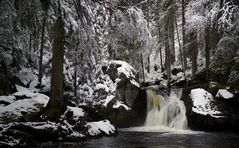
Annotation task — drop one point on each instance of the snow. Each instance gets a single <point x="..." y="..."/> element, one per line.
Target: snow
<point x="101" y="86"/>
<point x="7" y="99"/>
<point x="108" y="99"/>
<point x="202" y="101"/>
<point x="22" y="89"/>
<point x="42" y="125"/>
<point x="26" y="76"/>
<point x="96" y="128"/>
<point x="77" y="112"/>
<point x="120" y="103"/>
<point x="224" y="94"/>
<point x="125" y="68"/>
<point x="76" y="134"/>
<point x="135" y="83"/>
<point x="31" y="103"/>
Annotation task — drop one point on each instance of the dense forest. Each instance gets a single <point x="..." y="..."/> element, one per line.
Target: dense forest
<point x="76" y="69"/>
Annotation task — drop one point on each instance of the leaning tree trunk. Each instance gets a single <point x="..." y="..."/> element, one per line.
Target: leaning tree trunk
<point x="56" y="106"/>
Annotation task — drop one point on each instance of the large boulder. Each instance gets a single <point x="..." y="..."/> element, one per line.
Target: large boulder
<point x="126" y="78"/>
<point x="205" y="112"/>
<point x="129" y="103"/>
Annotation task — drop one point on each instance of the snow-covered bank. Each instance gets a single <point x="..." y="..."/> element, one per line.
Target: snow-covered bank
<point x="21" y="133"/>
<point x="20" y="118"/>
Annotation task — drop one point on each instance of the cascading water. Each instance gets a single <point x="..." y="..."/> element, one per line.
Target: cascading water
<point x="166" y="111"/>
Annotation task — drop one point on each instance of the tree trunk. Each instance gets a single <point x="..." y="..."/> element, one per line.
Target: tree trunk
<point x="148" y="67"/>
<point x="75" y="80"/>
<point x="30" y="43"/>
<point x="161" y="59"/>
<point x="75" y="72"/>
<point x="221" y="3"/>
<point x="172" y="38"/>
<point x="160" y="50"/>
<point x="142" y="65"/>
<point x="194" y="62"/>
<point x="41" y="51"/>
<point x="56" y="105"/>
<point x="207" y="51"/>
<point x="30" y="47"/>
<point x="180" y="48"/>
<point x="167" y="57"/>
<point x="183" y="35"/>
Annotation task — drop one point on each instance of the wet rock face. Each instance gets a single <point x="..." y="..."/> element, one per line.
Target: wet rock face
<point x="176" y="70"/>
<point x="126" y="91"/>
<point x="133" y="117"/>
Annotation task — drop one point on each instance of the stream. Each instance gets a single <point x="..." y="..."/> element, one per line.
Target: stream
<point x="163" y="139"/>
<point x="165" y="127"/>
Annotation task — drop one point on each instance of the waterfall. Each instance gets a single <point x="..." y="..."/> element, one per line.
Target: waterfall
<point x="164" y="110"/>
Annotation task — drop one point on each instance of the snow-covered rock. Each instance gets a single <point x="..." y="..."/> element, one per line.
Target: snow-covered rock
<point x="124" y="68"/>
<point x="119" y="104"/>
<point x="118" y="69"/>
<point x="225" y="94"/>
<point x="108" y="99"/>
<point x="76" y="112"/>
<point x="100" y="127"/>
<point x="28" y="103"/>
<point x="26" y="76"/>
<point x="6" y="100"/>
<point x="202" y="103"/>
<point x="101" y="86"/>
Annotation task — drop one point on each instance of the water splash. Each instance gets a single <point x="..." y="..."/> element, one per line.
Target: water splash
<point x="166" y="111"/>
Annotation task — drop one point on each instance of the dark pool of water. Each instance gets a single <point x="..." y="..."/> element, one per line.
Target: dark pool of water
<point x="157" y="140"/>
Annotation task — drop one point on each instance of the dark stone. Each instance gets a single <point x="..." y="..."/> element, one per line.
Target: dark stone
<point x="4" y="103"/>
<point x="123" y="118"/>
<point x="176" y="70"/>
<point x="112" y="71"/>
